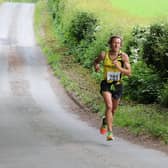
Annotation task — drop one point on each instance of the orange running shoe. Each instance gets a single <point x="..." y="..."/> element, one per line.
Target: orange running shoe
<point x="103" y="128"/>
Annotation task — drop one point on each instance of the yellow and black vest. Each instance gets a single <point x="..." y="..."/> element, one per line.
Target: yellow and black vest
<point x="111" y="73"/>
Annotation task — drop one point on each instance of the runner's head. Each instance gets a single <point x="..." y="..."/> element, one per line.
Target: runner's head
<point x="115" y="43"/>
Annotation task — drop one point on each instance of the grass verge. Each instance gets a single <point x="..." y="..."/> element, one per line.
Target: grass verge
<point x="139" y="119"/>
<point x="144" y="119"/>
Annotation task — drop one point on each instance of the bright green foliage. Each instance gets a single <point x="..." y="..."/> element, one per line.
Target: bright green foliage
<point x="56" y="8"/>
<point x="93" y="50"/>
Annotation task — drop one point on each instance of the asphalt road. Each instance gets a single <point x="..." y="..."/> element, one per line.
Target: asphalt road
<point x="37" y="126"/>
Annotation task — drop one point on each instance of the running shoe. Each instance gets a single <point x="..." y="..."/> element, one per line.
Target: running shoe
<point x="110" y="136"/>
<point x="103" y="128"/>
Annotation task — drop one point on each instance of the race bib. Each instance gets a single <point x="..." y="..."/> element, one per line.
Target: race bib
<point x="113" y="76"/>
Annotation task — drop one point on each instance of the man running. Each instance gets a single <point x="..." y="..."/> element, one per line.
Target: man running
<point x="116" y="64"/>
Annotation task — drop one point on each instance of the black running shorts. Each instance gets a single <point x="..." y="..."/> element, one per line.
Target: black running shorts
<point x="114" y="88"/>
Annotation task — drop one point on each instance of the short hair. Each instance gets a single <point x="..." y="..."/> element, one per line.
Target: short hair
<point x="113" y="37"/>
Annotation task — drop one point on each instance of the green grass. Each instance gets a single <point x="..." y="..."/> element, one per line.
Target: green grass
<point x="109" y="17"/>
<point x="124" y="12"/>
<point x="114" y="16"/>
<point x="144" y="119"/>
<point x="142" y="8"/>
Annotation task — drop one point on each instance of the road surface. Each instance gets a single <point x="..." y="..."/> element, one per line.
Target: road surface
<point x="37" y="126"/>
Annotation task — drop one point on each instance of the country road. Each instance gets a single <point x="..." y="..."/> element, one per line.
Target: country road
<point x="38" y="128"/>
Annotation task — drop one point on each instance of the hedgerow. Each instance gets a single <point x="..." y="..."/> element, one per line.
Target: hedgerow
<point x="155" y="50"/>
<point x="86" y="36"/>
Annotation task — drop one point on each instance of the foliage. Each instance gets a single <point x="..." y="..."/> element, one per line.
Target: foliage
<point x="144" y="85"/>
<point x="81" y="36"/>
<point x="82" y="28"/>
<point x="56" y="7"/>
<point x="155" y="50"/>
<point x="150" y="44"/>
<point x="164" y="95"/>
<point x="144" y="120"/>
<point x="135" y="41"/>
<point x="92" y="51"/>
<point x="86" y="38"/>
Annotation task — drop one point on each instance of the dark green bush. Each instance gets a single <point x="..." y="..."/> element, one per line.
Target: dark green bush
<point x="82" y="27"/>
<point x="148" y="44"/>
<point x="144" y="85"/>
<point x="80" y="36"/>
<point x="155" y="49"/>
<point x="134" y="42"/>
<point x="164" y="95"/>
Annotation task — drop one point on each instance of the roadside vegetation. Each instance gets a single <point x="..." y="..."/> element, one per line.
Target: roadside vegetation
<point x="72" y="34"/>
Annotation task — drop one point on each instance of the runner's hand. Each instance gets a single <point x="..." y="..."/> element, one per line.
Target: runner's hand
<point x="97" y="67"/>
<point x="115" y="62"/>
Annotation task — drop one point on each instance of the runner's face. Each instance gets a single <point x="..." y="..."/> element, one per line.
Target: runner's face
<point x="116" y="44"/>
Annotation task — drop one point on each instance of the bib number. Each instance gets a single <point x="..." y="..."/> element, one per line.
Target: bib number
<point x="113" y="76"/>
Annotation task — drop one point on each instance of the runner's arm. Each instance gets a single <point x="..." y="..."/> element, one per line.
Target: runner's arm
<point x="98" y="60"/>
<point x="126" y="70"/>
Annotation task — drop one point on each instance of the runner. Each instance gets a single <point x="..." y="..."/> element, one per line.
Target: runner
<point x="116" y="63"/>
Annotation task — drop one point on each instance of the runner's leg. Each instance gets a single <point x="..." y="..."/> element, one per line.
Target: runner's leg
<point x="115" y="105"/>
<point x="109" y="106"/>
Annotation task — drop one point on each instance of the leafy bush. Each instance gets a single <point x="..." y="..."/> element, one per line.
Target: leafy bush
<point x="82" y="27"/>
<point x="144" y="85"/>
<point x="93" y="51"/>
<point x="155" y="50"/>
<point x="135" y="41"/>
<point x="56" y="8"/>
<point x="80" y="36"/>
<point x="150" y="44"/>
<point x="164" y="95"/>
